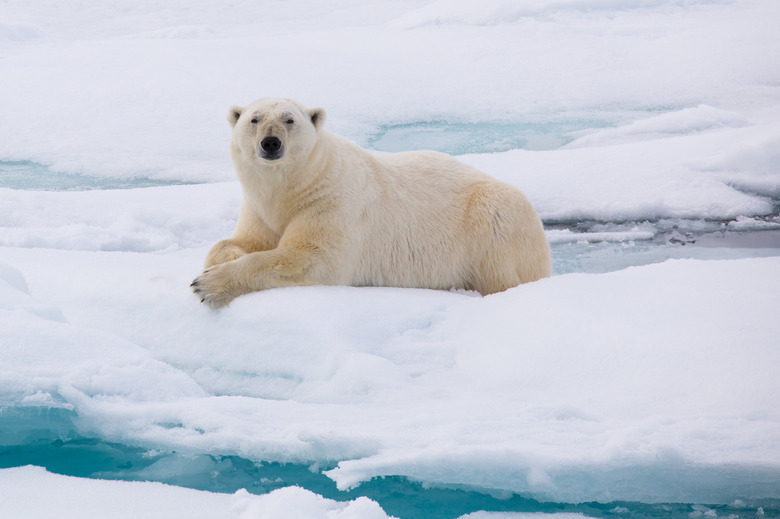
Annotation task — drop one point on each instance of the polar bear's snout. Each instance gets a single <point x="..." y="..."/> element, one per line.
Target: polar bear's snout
<point x="271" y="148"/>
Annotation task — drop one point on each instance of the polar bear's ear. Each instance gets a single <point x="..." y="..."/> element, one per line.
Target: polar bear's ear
<point x="317" y="117"/>
<point x="233" y="114"/>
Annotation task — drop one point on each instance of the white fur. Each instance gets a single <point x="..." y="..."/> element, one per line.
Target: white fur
<point x="328" y="212"/>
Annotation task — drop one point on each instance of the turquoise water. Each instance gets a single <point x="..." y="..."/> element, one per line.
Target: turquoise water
<point x="598" y="257"/>
<point x="28" y="175"/>
<point x="459" y="138"/>
<point x="49" y="437"/>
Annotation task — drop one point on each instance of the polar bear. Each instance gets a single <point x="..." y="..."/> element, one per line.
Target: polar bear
<point x="318" y="209"/>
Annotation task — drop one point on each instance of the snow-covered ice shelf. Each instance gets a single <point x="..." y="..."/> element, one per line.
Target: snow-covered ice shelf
<point x="639" y="381"/>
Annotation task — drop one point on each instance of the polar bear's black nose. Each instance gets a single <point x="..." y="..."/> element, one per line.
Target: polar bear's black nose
<point x="271" y="145"/>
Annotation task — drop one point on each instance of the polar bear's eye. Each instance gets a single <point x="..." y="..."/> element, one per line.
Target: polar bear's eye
<point x="289" y="121"/>
<point x="254" y="121"/>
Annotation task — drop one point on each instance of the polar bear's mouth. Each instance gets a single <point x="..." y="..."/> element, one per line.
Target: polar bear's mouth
<point x="271" y="148"/>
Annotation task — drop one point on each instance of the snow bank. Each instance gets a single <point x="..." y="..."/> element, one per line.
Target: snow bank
<point x="32" y="493"/>
<point x="643" y="376"/>
<point x="680" y="122"/>
<point x="671" y="177"/>
<point x="139" y="220"/>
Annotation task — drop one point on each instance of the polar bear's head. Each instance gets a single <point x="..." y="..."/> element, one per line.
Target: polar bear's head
<point x="274" y="131"/>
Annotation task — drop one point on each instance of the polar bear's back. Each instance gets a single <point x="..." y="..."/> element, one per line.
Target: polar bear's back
<point x="451" y="226"/>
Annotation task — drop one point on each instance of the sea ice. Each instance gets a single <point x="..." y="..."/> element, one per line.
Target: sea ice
<point x="32" y="493"/>
<point x="613" y="380"/>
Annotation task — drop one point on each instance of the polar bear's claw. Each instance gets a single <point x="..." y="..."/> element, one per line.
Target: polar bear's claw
<point x="214" y="287"/>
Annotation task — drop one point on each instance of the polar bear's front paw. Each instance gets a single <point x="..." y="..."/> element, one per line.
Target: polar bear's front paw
<point x="215" y="287"/>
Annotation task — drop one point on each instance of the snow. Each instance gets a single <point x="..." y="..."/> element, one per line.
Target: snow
<point x="107" y="81"/>
<point x="643" y="371"/>
<point x="66" y="497"/>
<point x="664" y="369"/>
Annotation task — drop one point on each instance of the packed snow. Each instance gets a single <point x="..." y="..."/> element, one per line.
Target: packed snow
<point x="74" y="498"/>
<point x="644" y="370"/>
